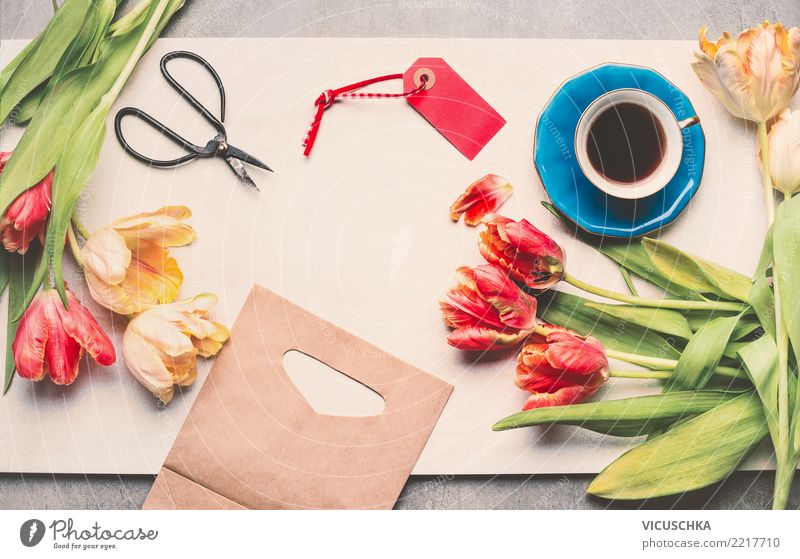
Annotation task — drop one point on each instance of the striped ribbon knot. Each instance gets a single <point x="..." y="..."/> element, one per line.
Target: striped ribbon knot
<point x="327" y="98"/>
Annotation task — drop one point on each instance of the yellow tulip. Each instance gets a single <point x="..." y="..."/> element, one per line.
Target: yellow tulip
<point x="784" y="152"/>
<point x="127" y="264"/>
<point x="754" y="76"/>
<point x="161" y="345"/>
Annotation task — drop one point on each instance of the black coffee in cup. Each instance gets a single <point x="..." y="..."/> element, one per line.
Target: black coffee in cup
<point x="626" y="143"/>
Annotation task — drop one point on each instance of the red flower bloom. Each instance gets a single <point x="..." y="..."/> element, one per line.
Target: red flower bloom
<point x="25" y="218"/>
<point x="487" y="310"/>
<point x="482" y="197"/>
<point x="527" y="254"/>
<point x="51" y="339"/>
<point x="565" y="369"/>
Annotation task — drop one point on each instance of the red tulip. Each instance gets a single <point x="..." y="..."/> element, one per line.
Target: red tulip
<point x="52" y="339"/>
<point x="25" y="218"/>
<point x="487" y="310"/>
<point x="482" y="197"/>
<point x="527" y="254"/>
<point x="565" y="369"/>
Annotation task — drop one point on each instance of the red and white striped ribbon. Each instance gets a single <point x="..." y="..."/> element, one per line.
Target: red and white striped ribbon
<point x="328" y="96"/>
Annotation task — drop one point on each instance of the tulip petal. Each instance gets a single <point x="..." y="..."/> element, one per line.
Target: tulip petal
<point x="80" y="325"/>
<point x="30" y="342"/>
<point x="25" y="217"/>
<point x="784" y="152"/>
<point x="32" y="206"/>
<point x="482" y="197"/>
<point x="727" y="80"/>
<point x="561" y="397"/>
<point x="110" y="296"/>
<point x="163" y="226"/>
<point x="516" y="308"/>
<point x="580" y="356"/>
<point x="484" y="339"/>
<point x="153" y="277"/>
<point x="106" y="255"/>
<point x="144" y="361"/>
<point x="156" y="326"/>
<point x="764" y="63"/>
<point x="63" y="357"/>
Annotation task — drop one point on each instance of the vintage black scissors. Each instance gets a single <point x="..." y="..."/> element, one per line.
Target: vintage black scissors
<point x="218" y="147"/>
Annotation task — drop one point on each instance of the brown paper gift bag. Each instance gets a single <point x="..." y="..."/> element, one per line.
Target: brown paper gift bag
<point x="252" y="440"/>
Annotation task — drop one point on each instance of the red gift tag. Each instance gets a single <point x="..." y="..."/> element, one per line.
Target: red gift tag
<point x="452" y="106"/>
<point x="438" y="93"/>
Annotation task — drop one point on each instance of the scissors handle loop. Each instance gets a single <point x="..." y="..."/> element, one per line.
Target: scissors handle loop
<point x="193" y="151"/>
<point x="217" y="123"/>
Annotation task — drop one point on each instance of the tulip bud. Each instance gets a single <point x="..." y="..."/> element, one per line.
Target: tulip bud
<point x="487" y="310"/>
<point x="127" y="264"/>
<point x="784" y="152"/>
<point x="26" y="216"/>
<point x="754" y="76"/>
<point x="161" y="345"/>
<point x="524" y="252"/>
<point x="51" y="339"/>
<point x="565" y="368"/>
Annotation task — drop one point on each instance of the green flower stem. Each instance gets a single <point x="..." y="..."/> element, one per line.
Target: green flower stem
<point x="669" y="364"/>
<point x="784" y="474"/>
<point x="658" y="303"/>
<point x="785" y="467"/>
<point x="80" y="227"/>
<point x="74" y="247"/>
<point x="659" y="375"/>
<point x="769" y="195"/>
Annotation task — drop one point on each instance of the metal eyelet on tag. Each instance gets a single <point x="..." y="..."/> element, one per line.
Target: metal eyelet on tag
<point x="429" y="75"/>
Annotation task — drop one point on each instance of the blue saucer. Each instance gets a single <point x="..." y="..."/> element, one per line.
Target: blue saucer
<point x="571" y="192"/>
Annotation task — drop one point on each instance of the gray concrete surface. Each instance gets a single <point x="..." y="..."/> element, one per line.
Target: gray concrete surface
<point x="563" y="19"/>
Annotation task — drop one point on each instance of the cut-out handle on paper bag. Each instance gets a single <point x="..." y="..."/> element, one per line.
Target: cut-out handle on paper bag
<point x="329" y="391"/>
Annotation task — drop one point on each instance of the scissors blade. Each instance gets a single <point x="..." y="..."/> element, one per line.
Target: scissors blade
<point x="242" y="155"/>
<point x="238" y="168"/>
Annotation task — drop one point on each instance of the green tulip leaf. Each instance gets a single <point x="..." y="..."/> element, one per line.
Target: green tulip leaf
<point x="633" y="257"/>
<point x="762" y="299"/>
<point x="626" y="275"/>
<point x="19" y="280"/>
<point x="72" y="171"/>
<point x="732" y="351"/>
<point x="69" y="104"/>
<point x="630" y="255"/>
<point x="665" y="321"/>
<point x="702" y="355"/>
<point x="39" y="62"/>
<point x="698" y="452"/>
<point x="628" y="417"/>
<point x="571" y="311"/>
<point x="786" y="250"/>
<point x="697" y="274"/>
<point x="5" y="268"/>
<point x="760" y="359"/>
<point x="747" y="326"/>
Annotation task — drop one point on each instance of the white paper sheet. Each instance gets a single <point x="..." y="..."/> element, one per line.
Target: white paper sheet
<point x="359" y="233"/>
